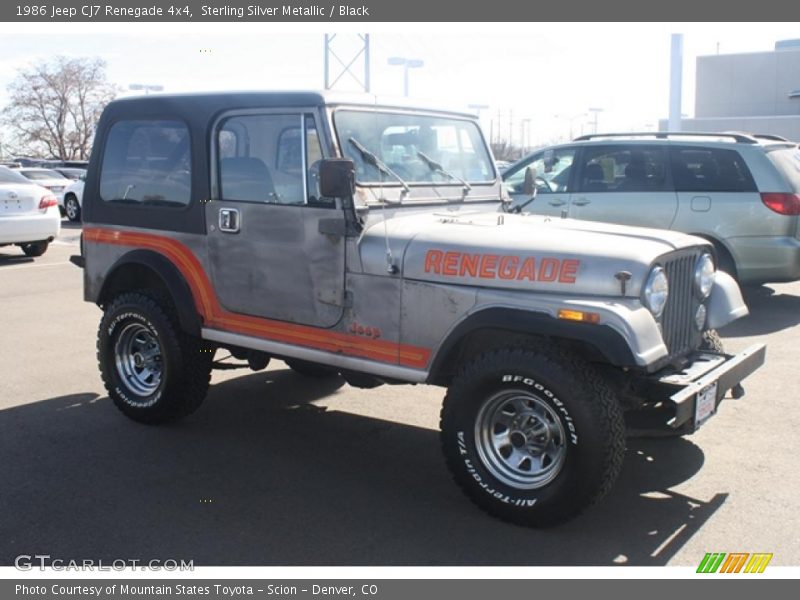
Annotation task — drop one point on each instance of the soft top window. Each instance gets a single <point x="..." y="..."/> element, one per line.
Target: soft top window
<point x="147" y="162"/>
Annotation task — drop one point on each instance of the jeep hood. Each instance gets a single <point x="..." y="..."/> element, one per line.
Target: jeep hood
<point x="524" y="252"/>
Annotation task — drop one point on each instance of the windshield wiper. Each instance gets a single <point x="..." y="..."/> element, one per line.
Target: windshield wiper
<point x="376" y="162"/>
<point x="438" y="168"/>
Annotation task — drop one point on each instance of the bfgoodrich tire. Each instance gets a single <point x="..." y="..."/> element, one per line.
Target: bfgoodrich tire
<point x="532" y="436"/>
<point x="152" y="370"/>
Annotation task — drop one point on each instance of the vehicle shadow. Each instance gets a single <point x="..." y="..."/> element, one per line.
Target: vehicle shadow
<point x="262" y="475"/>
<point x="7" y="259"/>
<point x="769" y="312"/>
<point x="67" y="224"/>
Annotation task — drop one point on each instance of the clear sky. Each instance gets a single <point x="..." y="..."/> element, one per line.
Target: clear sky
<point x="548" y="73"/>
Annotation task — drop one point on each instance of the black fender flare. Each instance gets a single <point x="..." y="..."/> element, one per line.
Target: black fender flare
<point x="606" y="343"/>
<point x="171" y="278"/>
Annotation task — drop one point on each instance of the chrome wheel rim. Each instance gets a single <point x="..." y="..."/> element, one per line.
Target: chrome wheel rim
<point x="138" y="358"/>
<point x="72" y="208"/>
<point x="520" y="439"/>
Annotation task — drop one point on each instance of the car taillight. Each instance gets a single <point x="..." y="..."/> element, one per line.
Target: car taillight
<point x="783" y="204"/>
<point x="47" y="201"/>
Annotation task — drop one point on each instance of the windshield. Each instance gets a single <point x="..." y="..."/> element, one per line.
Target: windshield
<point x="397" y="139"/>
<point x="42" y="175"/>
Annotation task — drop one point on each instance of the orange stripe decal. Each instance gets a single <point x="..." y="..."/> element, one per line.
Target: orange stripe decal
<point x="216" y="317"/>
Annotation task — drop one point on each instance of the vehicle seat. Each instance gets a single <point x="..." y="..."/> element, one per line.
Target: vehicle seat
<point x="246" y="178"/>
<point x="635" y="177"/>
<point x="594" y="178"/>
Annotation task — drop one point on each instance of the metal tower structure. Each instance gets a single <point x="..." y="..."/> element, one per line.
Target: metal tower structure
<point x="356" y="58"/>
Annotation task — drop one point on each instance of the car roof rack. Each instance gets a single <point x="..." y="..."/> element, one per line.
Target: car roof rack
<point x="741" y="138"/>
<point x="770" y="136"/>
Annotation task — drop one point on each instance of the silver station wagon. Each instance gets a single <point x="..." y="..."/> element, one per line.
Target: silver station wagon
<point x="740" y="192"/>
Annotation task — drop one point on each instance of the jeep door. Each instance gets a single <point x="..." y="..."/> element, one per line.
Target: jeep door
<point x="550" y="172"/>
<point x="268" y="256"/>
<point x="624" y="183"/>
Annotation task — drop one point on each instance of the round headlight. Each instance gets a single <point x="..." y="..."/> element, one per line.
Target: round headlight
<point x="704" y="272"/>
<point x="656" y="290"/>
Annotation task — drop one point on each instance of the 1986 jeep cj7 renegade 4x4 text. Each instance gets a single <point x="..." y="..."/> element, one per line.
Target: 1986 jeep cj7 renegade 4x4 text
<point x="375" y="241"/>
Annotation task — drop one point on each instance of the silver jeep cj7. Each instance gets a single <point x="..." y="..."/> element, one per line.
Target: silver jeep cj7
<point x="374" y="241"/>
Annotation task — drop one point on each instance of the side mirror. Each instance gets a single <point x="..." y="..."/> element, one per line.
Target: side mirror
<point x="337" y="178"/>
<point x="529" y="185"/>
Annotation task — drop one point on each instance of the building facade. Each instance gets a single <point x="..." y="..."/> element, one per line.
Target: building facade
<point x="756" y="92"/>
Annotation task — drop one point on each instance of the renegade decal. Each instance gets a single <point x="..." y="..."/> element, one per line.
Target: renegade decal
<point x="496" y="266"/>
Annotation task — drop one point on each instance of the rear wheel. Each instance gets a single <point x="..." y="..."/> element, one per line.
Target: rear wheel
<point x="34" y="248"/>
<point x="151" y="369"/>
<point x="72" y="208"/>
<point x="532" y="436"/>
<point x="309" y="369"/>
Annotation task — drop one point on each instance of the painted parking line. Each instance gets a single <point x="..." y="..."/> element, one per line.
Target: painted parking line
<point x="3" y="269"/>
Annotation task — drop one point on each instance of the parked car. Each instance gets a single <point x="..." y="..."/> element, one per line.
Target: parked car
<point x="29" y="215"/>
<point x="740" y="192"/>
<point x="72" y="199"/>
<point x="71" y="172"/>
<point x="48" y="178"/>
<point x="372" y="240"/>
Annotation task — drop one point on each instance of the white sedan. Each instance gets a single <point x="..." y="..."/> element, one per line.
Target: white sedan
<point x="48" y="178"/>
<point x="72" y="200"/>
<point x="29" y="216"/>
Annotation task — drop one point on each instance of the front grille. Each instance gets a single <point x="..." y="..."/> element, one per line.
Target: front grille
<point x="677" y="323"/>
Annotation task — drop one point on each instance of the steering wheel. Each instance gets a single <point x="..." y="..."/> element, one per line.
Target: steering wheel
<point x="542" y="182"/>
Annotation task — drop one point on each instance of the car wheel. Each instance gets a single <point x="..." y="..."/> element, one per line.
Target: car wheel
<point x="72" y="208"/>
<point x="34" y="248"/>
<point x="309" y="369"/>
<point x="532" y="436"/>
<point x="151" y="369"/>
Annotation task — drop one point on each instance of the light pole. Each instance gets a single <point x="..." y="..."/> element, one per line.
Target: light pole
<point x="525" y="135"/>
<point x="478" y="108"/>
<point x="594" y="112"/>
<point x="571" y="119"/>
<point x="406" y="63"/>
<point x="146" y="87"/>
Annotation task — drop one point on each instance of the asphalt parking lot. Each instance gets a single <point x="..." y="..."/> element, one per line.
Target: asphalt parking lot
<point x="276" y="469"/>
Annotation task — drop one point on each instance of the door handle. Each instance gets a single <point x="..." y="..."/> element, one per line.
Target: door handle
<point x="556" y="202"/>
<point x="582" y="202"/>
<point x="229" y="220"/>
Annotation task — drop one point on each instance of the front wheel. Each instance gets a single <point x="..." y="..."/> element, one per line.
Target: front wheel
<point x="151" y="369"/>
<point x="72" y="208"/>
<point x="532" y="436"/>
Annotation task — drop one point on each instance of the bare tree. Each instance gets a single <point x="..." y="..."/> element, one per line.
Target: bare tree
<point x="54" y="107"/>
<point x="504" y="150"/>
